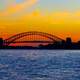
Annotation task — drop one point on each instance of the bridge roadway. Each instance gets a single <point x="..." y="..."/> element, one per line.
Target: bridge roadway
<point x="31" y="42"/>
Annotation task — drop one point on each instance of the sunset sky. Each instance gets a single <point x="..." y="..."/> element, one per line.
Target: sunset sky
<point x="57" y="17"/>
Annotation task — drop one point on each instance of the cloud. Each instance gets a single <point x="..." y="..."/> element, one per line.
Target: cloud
<point x="16" y="7"/>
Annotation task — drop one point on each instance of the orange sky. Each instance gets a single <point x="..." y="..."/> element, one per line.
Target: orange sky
<point x="60" y="23"/>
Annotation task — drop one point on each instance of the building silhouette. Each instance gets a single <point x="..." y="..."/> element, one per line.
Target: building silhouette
<point x="1" y="42"/>
<point x="68" y="43"/>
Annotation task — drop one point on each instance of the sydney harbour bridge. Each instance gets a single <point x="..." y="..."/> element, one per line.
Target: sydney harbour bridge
<point x="32" y="37"/>
<point x="38" y="40"/>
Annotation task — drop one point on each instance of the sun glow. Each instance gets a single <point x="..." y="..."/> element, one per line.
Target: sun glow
<point x="15" y="19"/>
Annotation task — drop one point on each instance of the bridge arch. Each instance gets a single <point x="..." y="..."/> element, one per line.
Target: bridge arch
<point x="20" y="35"/>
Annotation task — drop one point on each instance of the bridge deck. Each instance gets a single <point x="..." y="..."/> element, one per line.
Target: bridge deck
<point x="30" y="42"/>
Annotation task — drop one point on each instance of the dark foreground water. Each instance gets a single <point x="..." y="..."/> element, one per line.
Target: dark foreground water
<point x="39" y="65"/>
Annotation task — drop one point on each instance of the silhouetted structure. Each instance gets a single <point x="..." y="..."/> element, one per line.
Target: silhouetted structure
<point x="1" y="42"/>
<point x="53" y="43"/>
<point x="68" y="43"/>
<point x="52" y="38"/>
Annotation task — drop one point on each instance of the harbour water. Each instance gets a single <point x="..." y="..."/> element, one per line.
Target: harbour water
<point x="39" y="64"/>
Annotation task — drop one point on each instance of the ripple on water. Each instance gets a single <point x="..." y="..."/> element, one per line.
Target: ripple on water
<point x="39" y="65"/>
